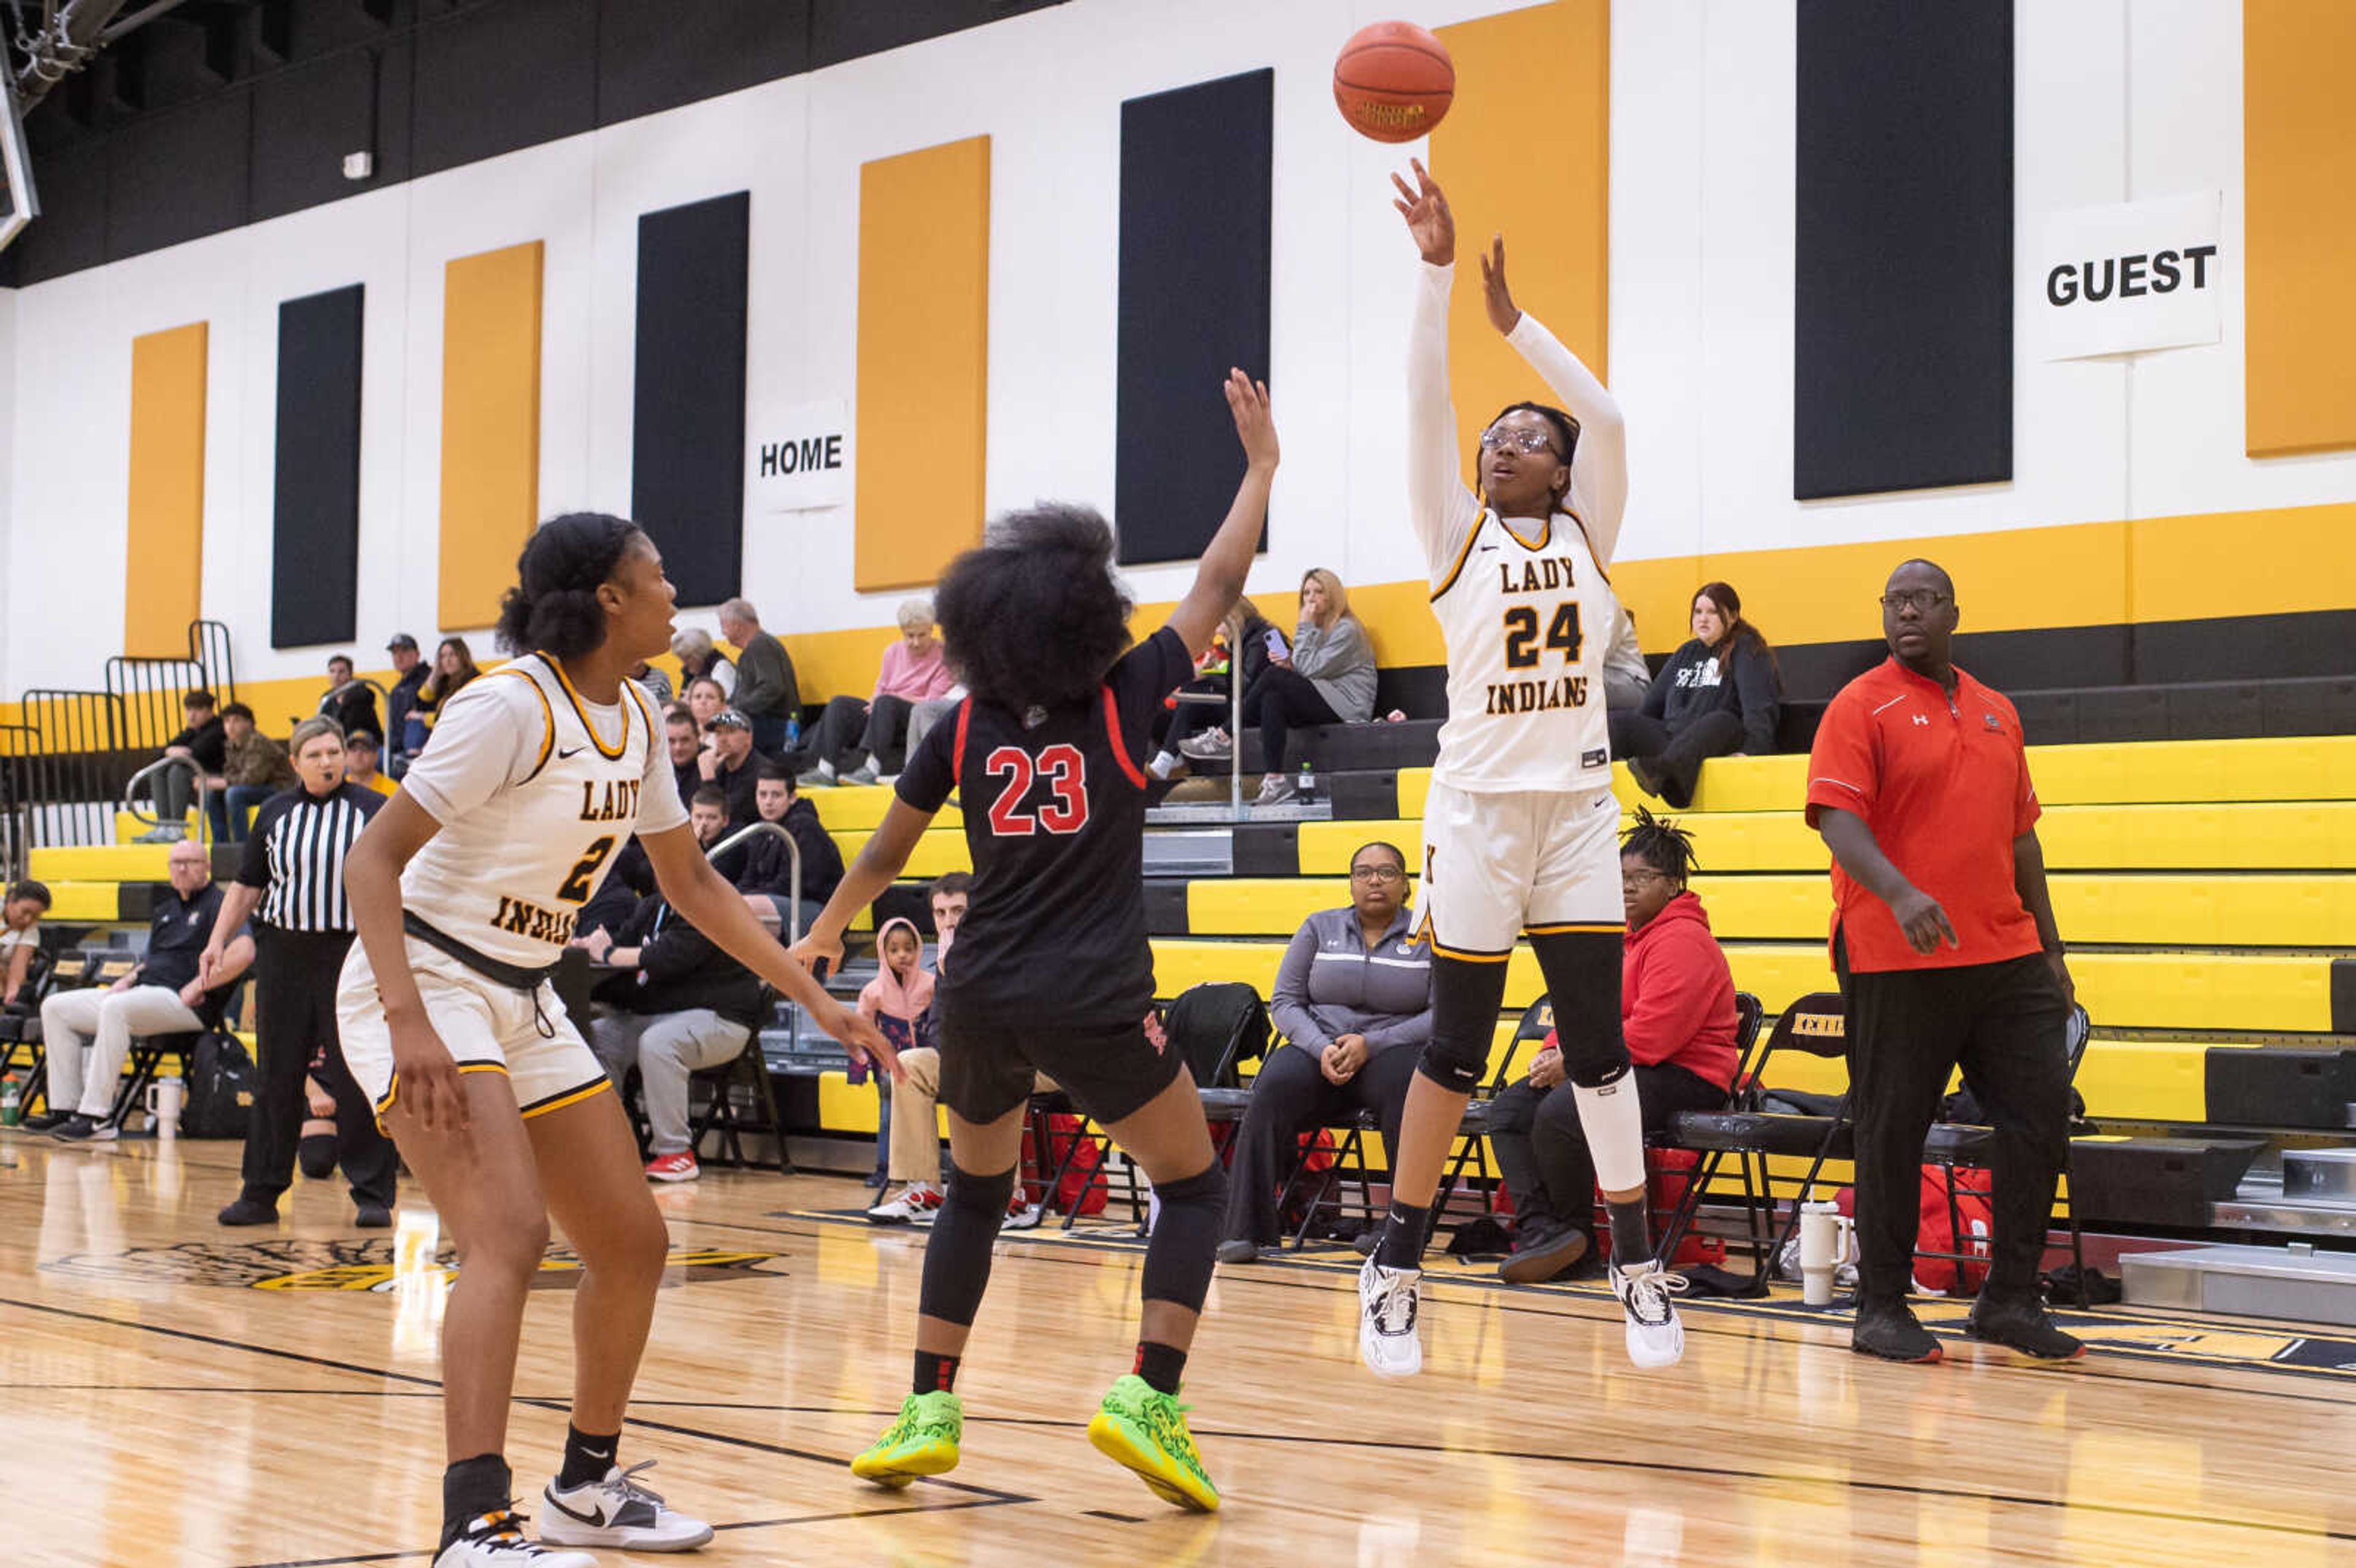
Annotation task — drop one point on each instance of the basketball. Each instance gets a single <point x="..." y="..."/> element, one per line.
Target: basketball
<point x="1394" y="81"/>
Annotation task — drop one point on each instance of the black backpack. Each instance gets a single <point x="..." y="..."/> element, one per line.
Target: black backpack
<point x="1216" y="1026"/>
<point x="221" y="1084"/>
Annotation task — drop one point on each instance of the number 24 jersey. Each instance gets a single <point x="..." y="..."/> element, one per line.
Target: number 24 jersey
<point x="1055" y="820"/>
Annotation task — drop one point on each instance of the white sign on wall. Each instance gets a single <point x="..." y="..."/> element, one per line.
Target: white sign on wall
<point x="797" y="456"/>
<point x="2121" y="280"/>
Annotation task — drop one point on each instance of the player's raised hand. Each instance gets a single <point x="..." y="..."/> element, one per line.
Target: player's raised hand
<point x="809" y="952"/>
<point x="1504" y="315"/>
<point x="860" y="1038"/>
<point x="1425" y="206"/>
<point x="1255" y="422"/>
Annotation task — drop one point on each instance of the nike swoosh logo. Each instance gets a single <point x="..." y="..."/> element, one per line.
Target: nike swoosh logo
<point x="1484" y="549"/>
<point x="549" y="1497"/>
<point x="562" y="753"/>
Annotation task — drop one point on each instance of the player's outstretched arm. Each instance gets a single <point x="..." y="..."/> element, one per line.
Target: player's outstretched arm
<point x="704" y="898"/>
<point x="878" y="864"/>
<point x="1439" y="507"/>
<point x="1219" y="580"/>
<point x="1602" y="460"/>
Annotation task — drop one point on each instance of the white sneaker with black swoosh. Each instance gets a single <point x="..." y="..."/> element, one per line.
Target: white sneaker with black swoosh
<point x="619" y="1512"/>
<point x="497" y="1541"/>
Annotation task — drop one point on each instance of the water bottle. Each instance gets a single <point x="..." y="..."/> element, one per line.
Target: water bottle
<point x="12" y="1101"/>
<point x="793" y="731"/>
<point x="1307" y="782"/>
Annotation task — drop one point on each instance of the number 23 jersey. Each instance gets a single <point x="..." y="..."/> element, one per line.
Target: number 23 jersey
<point x="535" y="790"/>
<point x="1055" y="820"/>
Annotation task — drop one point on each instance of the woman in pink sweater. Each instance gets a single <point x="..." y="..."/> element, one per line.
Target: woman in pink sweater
<point x="862" y="742"/>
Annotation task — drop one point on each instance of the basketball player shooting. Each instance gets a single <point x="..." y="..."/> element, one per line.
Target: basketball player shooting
<point x="1520" y="829"/>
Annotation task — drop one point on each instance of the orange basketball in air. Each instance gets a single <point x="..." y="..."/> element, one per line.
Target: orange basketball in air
<point x="1394" y="81"/>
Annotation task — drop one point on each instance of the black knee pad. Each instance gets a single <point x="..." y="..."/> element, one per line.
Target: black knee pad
<point x="1582" y="976"/>
<point x="978" y="1194"/>
<point x="317" y="1154"/>
<point x="1465" y="999"/>
<point x="1186" y="1236"/>
<point x="957" y="1254"/>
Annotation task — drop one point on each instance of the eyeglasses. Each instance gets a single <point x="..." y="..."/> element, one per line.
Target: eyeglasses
<point x="1385" y="874"/>
<point x="1640" y="879"/>
<point x="1923" y="600"/>
<point x="1522" y="439"/>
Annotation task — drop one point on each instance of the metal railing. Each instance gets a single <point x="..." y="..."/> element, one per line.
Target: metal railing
<point x="75" y="773"/>
<point x="201" y="792"/>
<point x="793" y="859"/>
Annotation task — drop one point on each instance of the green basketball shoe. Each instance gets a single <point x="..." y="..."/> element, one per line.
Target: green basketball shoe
<point x="1145" y="1429"/>
<point x="922" y="1442"/>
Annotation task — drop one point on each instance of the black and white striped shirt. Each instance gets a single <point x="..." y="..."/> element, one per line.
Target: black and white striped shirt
<point x="294" y="852"/>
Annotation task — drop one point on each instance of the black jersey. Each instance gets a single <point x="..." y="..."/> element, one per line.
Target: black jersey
<point x="1055" y="820"/>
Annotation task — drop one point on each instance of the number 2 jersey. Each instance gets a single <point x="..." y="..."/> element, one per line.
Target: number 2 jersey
<point x="535" y="789"/>
<point x="1054" y="800"/>
<point x="1523" y="603"/>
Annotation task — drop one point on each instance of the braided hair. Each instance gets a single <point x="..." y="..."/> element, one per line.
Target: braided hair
<point x="1661" y="843"/>
<point x="554" y="606"/>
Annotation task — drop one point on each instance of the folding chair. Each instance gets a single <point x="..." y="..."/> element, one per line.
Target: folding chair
<point x="1750" y="1016"/>
<point x="148" y="1052"/>
<point x="1537" y="1019"/>
<point x="727" y="1121"/>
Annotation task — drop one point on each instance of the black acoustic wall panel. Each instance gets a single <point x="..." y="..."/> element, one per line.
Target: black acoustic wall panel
<point x="687" y="473"/>
<point x="1903" y="306"/>
<point x="314" y="552"/>
<point x="651" y="58"/>
<point x="496" y="78"/>
<point x="1194" y="220"/>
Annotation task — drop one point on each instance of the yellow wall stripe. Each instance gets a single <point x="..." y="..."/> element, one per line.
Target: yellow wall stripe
<point x="1525" y="150"/>
<point x="163" y="578"/>
<point x="2298" y="168"/>
<point x="924" y="362"/>
<point x="490" y="427"/>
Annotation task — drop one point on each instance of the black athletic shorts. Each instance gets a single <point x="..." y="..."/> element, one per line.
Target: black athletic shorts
<point x="1109" y="1073"/>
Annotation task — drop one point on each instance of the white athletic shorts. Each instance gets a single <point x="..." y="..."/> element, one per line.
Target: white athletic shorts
<point x="1495" y="866"/>
<point x="488" y="1027"/>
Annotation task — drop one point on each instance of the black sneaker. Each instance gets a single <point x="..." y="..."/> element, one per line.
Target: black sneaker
<point x="1545" y="1256"/>
<point x="1888" y="1330"/>
<point x="368" y="1217"/>
<point x="80" y="1129"/>
<point x="1647" y="775"/>
<point x="2021" y="1324"/>
<point x="249" y="1211"/>
<point x="1238" y="1251"/>
<point x="44" y="1121"/>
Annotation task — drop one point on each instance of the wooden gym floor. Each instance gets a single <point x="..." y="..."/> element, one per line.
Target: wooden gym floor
<point x="175" y="1394"/>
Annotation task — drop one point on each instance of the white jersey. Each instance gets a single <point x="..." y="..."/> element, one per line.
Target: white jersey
<point x="1523" y="605"/>
<point x="535" y="790"/>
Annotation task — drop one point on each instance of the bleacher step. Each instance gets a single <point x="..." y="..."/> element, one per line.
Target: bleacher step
<point x="2319" y="1173"/>
<point x="2293" y="1282"/>
<point x="1180" y="851"/>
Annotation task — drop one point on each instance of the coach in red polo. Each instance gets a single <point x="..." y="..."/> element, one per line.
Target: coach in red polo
<point x="1944" y="941"/>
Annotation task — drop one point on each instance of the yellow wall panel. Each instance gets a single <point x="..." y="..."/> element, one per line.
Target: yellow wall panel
<point x="1525" y="150"/>
<point x="2299" y="170"/>
<point x="924" y="362"/>
<point x="490" y="427"/>
<point x="162" y="577"/>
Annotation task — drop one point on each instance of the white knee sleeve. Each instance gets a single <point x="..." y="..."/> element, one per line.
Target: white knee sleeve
<point x="1615" y="1124"/>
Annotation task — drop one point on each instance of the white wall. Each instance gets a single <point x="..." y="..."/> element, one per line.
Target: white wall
<point x="2117" y="99"/>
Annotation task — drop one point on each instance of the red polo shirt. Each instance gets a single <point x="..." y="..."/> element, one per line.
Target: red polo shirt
<point x="1944" y="786"/>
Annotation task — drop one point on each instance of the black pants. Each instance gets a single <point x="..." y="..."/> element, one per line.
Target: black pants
<point x="1678" y="754"/>
<point x="834" y="739"/>
<point x="1281" y="700"/>
<point x="1542" y="1145"/>
<point x="295" y="974"/>
<point x="1908" y="1030"/>
<point x="1290" y="1097"/>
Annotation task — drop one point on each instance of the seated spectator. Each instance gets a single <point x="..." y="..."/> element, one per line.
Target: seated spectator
<point x="201" y="742"/>
<point x="730" y="764"/>
<point x="698" y="660"/>
<point x="1352" y="999"/>
<point x="862" y="742"/>
<point x="657" y="683"/>
<point x="929" y="712"/>
<point x="88" y="1032"/>
<point x="20" y="938"/>
<point x="915" y="1134"/>
<point x="1718" y="695"/>
<point x="704" y="698"/>
<point x="1676" y="1010"/>
<point x="683" y="740"/>
<point x="350" y="701"/>
<point x="1261" y="644"/>
<point x="763" y="867"/>
<point x="1328" y="679"/>
<point x="359" y="764"/>
<point x="1627" y="679"/>
<point x="898" y="1002"/>
<point x="453" y="666"/>
<point x="679" y="1003"/>
<point x="257" y="767"/>
<point x="766" y="692"/>
<point x="409" y="672"/>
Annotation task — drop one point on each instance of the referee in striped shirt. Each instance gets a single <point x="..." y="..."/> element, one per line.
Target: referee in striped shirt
<point x="293" y="873"/>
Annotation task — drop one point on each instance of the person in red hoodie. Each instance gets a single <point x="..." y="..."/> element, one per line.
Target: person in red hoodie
<point x="1676" y="1010"/>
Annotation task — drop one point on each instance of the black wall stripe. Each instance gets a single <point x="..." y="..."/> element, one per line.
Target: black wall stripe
<point x="687" y="473"/>
<point x="1903" y="308"/>
<point x="316" y="501"/>
<point x="1194" y="220"/>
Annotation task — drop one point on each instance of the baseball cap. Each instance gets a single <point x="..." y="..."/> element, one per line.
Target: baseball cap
<point x="728" y="719"/>
<point x="401" y="640"/>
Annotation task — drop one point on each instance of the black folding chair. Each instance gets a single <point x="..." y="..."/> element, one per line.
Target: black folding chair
<point x="148" y="1052"/>
<point x="739" y="1100"/>
<point x="1537" y="1019"/>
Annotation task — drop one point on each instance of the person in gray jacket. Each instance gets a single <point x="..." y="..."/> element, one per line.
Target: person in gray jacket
<point x="1718" y="695"/>
<point x="1328" y="679"/>
<point x="1354" y="1002"/>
